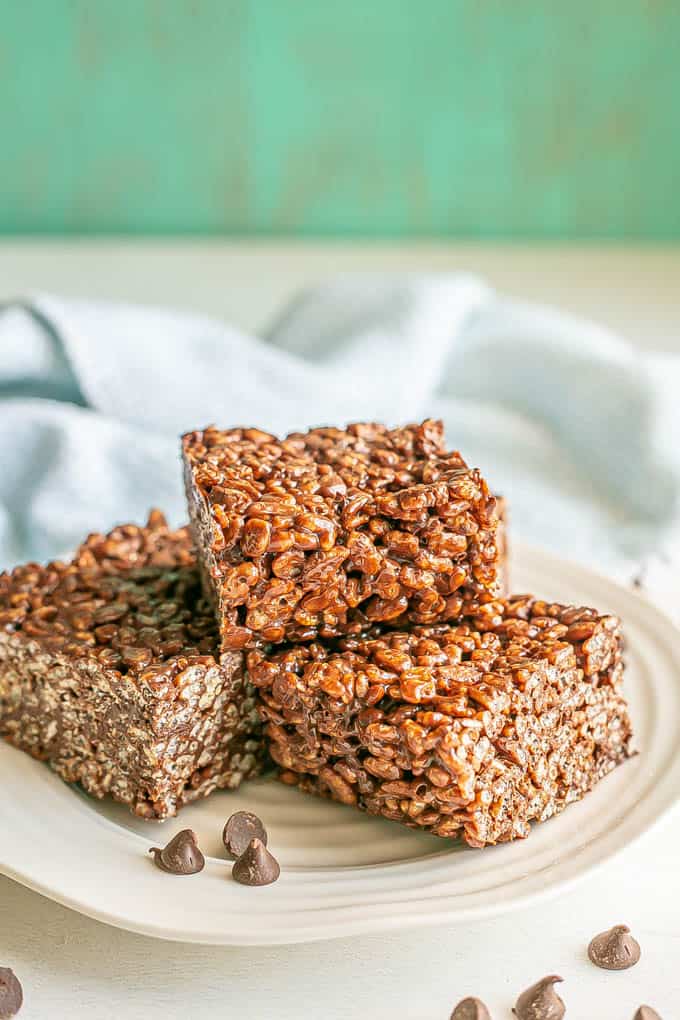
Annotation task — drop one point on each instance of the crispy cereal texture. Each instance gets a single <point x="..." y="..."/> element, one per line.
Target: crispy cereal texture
<point x="469" y="731"/>
<point x="109" y="671"/>
<point x="329" y="532"/>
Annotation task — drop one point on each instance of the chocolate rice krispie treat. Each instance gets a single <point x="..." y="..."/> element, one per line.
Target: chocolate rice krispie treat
<point x="109" y="671"/>
<point x="331" y="531"/>
<point x="468" y="731"/>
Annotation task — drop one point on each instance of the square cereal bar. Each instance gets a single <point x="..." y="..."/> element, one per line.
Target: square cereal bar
<point x="328" y="532"/>
<point x="469" y="731"/>
<point x="109" y="671"/>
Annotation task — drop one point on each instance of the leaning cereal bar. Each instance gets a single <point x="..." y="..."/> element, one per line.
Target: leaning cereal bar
<point x="109" y="671"/>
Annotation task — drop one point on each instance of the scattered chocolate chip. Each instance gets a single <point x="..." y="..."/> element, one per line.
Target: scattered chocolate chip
<point x="471" y="1009"/>
<point x="239" y="830"/>
<point x="11" y="994"/>
<point x="541" y="1001"/>
<point x="646" y="1013"/>
<point x="256" y="866"/>
<point x="614" y="949"/>
<point x="181" y="856"/>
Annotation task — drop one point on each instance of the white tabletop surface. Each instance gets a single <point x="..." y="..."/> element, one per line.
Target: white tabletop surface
<point x="75" y="968"/>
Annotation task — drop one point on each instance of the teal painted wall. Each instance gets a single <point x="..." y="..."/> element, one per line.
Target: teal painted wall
<point x="352" y="118"/>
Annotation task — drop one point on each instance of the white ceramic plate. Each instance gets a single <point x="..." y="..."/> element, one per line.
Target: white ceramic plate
<point x="344" y="873"/>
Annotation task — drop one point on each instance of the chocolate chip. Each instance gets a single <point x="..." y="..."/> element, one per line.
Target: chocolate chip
<point x="471" y="1009"/>
<point x="256" y="866"/>
<point x="11" y="994"/>
<point x="614" y="949"/>
<point x="239" y="830"/>
<point x="646" y="1013"/>
<point x="181" y="856"/>
<point x="541" y="1001"/>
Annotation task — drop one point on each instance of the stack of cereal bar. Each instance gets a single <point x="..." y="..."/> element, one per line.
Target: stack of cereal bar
<point x="340" y="608"/>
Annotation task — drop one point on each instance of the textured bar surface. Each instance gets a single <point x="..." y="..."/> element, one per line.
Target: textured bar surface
<point x="331" y="531"/>
<point x="469" y="731"/>
<point x="109" y="672"/>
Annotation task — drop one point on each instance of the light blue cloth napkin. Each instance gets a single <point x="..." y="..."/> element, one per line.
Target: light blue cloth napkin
<point x="580" y="432"/>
